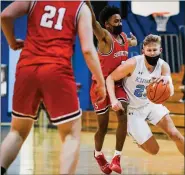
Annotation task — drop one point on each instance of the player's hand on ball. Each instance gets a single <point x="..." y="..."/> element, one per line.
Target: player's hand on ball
<point x="164" y="79"/>
<point x="116" y="105"/>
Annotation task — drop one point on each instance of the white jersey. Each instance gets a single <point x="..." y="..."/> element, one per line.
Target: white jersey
<point x="135" y="85"/>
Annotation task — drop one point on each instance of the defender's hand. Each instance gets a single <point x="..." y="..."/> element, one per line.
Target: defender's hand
<point x="101" y="93"/>
<point x="133" y="39"/>
<point x="17" y="45"/>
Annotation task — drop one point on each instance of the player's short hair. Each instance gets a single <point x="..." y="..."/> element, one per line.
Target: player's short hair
<point x="152" y="39"/>
<point x="106" y="13"/>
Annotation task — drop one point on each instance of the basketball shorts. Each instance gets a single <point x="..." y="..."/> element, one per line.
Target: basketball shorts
<point x="103" y="107"/>
<point x="49" y="84"/>
<point x="138" y="127"/>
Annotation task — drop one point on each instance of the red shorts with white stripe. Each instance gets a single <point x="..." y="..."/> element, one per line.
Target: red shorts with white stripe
<point x="104" y="106"/>
<point x="51" y="84"/>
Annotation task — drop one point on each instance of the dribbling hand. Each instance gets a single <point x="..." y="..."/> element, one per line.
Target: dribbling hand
<point x="165" y="79"/>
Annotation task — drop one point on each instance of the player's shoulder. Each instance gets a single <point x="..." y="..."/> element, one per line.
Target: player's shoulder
<point x="131" y="62"/>
<point x="165" y="65"/>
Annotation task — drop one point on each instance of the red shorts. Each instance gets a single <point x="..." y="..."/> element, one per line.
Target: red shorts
<point x="104" y="106"/>
<point x="50" y="84"/>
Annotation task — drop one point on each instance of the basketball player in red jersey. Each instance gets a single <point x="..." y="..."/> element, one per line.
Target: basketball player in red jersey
<point x="44" y="73"/>
<point x="112" y="50"/>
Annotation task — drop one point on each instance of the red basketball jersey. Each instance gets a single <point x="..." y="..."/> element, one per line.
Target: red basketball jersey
<point x="118" y="53"/>
<point x="51" y="32"/>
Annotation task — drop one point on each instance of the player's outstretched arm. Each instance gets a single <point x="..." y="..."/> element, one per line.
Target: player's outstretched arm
<point x="86" y="40"/>
<point x="119" y="73"/>
<point x="9" y="14"/>
<point x="99" y="32"/>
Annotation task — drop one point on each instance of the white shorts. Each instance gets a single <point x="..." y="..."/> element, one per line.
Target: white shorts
<point x="137" y="120"/>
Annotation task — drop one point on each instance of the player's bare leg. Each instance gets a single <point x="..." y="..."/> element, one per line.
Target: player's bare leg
<point x="70" y="136"/>
<point x="103" y="121"/>
<point x="121" y="133"/>
<point x="12" y="143"/>
<point x="150" y="146"/>
<point x="167" y="125"/>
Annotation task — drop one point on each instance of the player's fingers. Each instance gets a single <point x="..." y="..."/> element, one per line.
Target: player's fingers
<point x="158" y="80"/>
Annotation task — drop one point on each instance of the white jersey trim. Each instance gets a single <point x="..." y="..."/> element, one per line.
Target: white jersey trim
<point x="32" y="6"/>
<point x="77" y="13"/>
<point x="109" y="53"/>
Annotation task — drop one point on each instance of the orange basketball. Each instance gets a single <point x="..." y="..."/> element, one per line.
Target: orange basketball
<point x="158" y="92"/>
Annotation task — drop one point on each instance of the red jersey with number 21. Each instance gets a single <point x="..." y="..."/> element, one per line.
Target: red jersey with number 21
<point x="51" y="33"/>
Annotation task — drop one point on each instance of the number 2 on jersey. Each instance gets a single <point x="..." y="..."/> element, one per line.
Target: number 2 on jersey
<point x="139" y="92"/>
<point x="50" y="12"/>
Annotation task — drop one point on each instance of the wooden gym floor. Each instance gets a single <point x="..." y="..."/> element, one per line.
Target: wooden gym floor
<point x="40" y="155"/>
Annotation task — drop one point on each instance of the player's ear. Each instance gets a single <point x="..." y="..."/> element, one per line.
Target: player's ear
<point x="161" y="49"/>
<point x="107" y="25"/>
<point x="142" y="49"/>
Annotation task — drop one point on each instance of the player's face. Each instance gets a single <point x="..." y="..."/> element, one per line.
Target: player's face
<point x="152" y="49"/>
<point x="152" y="53"/>
<point x="114" y="24"/>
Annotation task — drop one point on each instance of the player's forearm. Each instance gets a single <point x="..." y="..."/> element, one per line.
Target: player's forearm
<point x="93" y="64"/>
<point x="110" y="84"/>
<point x="94" y="22"/>
<point x="171" y="85"/>
<point x="8" y="29"/>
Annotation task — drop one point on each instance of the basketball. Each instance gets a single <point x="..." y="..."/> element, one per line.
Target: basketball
<point x="158" y="92"/>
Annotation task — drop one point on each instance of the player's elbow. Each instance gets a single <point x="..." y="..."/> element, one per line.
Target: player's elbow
<point x="109" y="80"/>
<point x="5" y="15"/>
<point x="87" y="50"/>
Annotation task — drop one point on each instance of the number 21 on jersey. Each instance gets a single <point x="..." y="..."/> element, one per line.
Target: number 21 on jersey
<point x="47" y="17"/>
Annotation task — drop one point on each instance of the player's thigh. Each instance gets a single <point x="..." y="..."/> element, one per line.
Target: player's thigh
<point x="166" y="124"/>
<point x="22" y="126"/>
<point x="26" y="94"/>
<point x="151" y="146"/>
<point x="59" y="94"/>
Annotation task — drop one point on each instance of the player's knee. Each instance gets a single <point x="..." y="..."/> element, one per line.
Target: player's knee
<point x="154" y="150"/>
<point x="103" y="130"/>
<point x="122" y="116"/>
<point x="17" y="136"/>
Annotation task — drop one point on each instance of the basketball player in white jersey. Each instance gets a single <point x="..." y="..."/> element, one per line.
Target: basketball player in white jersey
<point x="138" y="72"/>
